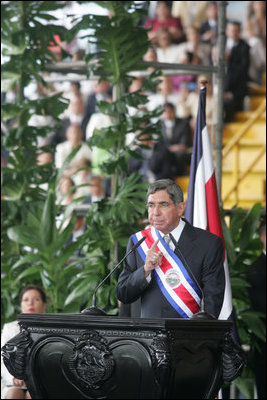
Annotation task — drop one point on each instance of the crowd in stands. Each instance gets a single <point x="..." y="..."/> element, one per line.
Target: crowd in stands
<point x="180" y="32"/>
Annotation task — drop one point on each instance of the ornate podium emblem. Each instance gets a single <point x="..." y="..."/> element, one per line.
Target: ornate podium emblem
<point x="92" y="362"/>
<point x="14" y="353"/>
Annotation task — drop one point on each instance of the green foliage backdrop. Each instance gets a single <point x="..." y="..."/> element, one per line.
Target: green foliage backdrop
<point x="33" y="249"/>
<point x="32" y="243"/>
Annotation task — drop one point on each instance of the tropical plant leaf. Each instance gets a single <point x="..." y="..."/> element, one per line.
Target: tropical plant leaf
<point x="78" y="291"/>
<point x="229" y="244"/>
<point x="47" y="225"/>
<point x="25" y="236"/>
<point x="250" y="226"/>
<point x="32" y="271"/>
<point x="253" y="320"/>
<point x="28" y="259"/>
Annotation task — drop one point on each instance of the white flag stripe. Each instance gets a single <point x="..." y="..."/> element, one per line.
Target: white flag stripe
<point x="227" y="301"/>
<point x="200" y="212"/>
<point x="207" y="155"/>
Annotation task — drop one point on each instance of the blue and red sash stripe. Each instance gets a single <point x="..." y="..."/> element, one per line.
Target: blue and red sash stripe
<point x="185" y="298"/>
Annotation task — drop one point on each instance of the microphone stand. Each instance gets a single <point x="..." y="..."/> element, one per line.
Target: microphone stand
<point x="93" y="310"/>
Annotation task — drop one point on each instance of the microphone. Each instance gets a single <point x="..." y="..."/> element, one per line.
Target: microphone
<point x="93" y="310"/>
<point x="201" y="313"/>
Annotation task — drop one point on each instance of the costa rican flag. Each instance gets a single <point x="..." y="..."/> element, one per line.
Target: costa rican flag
<point x="202" y="208"/>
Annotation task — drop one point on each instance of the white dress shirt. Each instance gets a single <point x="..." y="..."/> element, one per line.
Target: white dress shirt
<point x="64" y="149"/>
<point x="176" y="233"/>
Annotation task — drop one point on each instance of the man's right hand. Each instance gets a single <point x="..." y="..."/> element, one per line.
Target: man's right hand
<point x="153" y="258"/>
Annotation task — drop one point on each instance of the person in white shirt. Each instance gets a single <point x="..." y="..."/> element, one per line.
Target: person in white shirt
<point x="32" y="299"/>
<point x="64" y="149"/>
<point x="167" y="52"/>
<point x="200" y="52"/>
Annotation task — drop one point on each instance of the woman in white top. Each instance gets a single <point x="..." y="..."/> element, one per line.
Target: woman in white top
<point x="167" y="52"/>
<point x="32" y="300"/>
<point x="63" y="150"/>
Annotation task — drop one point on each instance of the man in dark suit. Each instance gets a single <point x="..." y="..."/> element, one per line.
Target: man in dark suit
<point x="102" y="92"/>
<point x="237" y="67"/>
<point x="257" y="279"/>
<point x="209" y="28"/>
<point x="176" y="137"/>
<point x="170" y="278"/>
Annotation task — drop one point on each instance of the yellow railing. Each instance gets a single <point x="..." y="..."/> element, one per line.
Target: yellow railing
<point x="238" y="136"/>
<point x="234" y="145"/>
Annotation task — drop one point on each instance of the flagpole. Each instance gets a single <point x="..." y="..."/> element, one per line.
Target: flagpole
<point x="221" y="66"/>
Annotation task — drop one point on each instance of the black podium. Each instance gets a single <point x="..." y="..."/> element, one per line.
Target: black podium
<point x="75" y="356"/>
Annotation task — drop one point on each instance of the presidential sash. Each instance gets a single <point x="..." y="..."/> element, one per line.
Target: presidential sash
<point x="172" y="277"/>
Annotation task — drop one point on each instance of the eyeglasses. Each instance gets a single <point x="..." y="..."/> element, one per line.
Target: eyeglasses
<point x="162" y="204"/>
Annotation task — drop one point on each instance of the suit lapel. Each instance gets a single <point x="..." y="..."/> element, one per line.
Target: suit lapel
<point x="186" y="242"/>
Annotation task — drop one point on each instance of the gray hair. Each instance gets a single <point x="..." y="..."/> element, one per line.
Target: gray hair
<point x="172" y="188"/>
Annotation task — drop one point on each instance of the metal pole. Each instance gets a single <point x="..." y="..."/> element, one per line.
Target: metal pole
<point x="80" y="67"/>
<point x="220" y="78"/>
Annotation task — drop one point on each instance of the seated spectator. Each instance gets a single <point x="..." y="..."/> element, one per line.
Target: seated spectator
<point x="98" y="121"/>
<point x="209" y="28"/>
<point x="257" y="20"/>
<point x="76" y="109"/>
<point x="200" y="53"/>
<point x="187" y="106"/>
<point x="75" y="91"/>
<point x="162" y="163"/>
<point x="164" y="19"/>
<point x="150" y="56"/>
<point x="32" y="300"/>
<point x="142" y="166"/>
<point x="63" y="150"/>
<point x="165" y="93"/>
<point x="257" y="55"/>
<point x="96" y="189"/>
<point x="176" y="135"/>
<point x="135" y="86"/>
<point x="81" y="178"/>
<point x="66" y="190"/>
<point x="65" y="197"/>
<point x="101" y="91"/>
<point x="167" y="52"/>
<point x="180" y="80"/>
<point x="78" y="230"/>
<point x="72" y="115"/>
<point x="190" y="12"/>
<point x="43" y="121"/>
<point x="44" y="158"/>
<point x="36" y="90"/>
<point x="78" y="54"/>
<point x="157" y="161"/>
